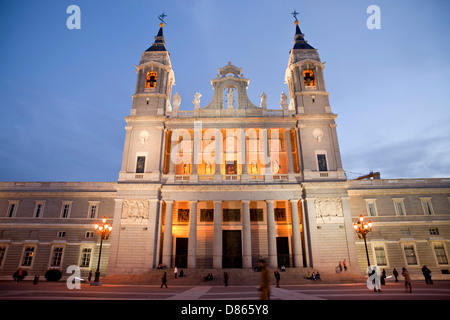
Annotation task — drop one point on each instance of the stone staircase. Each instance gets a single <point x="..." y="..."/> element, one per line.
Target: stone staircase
<point x="236" y="277"/>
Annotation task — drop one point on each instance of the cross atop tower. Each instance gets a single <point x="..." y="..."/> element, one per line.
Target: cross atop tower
<point x="295" y="13"/>
<point x="161" y="17"/>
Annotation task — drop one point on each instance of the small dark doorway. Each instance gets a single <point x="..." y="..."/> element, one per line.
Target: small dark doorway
<point x="283" y="252"/>
<point x="181" y="250"/>
<point x="231" y="249"/>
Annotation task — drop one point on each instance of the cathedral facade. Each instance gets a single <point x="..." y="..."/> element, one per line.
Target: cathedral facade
<point x="225" y="185"/>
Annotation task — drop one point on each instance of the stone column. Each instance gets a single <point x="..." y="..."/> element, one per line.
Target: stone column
<point x="192" y="242"/>
<point x="306" y="234"/>
<point x="243" y="152"/>
<point x="218" y="151"/>
<point x="313" y="232"/>
<point x="217" y="244"/>
<point x="152" y="240"/>
<point x="173" y="148"/>
<point x="246" y="235"/>
<point x="271" y="235"/>
<point x="296" y="238"/>
<point x="113" y="252"/>
<point x="289" y="150"/>
<point x="195" y="150"/>
<point x="265" y="152"/>
<point x="126" y="149"/>
<point x="167" y="243"/>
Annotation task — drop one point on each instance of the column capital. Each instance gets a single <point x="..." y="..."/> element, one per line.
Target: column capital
<point x="245" y="201"/>
<point x="294" y="200"/>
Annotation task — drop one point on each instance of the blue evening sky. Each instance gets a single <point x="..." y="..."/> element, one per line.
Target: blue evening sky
<point x="64" y="93"/>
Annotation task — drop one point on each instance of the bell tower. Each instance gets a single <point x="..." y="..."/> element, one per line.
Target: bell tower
<point x="145" y="131"/>
<point x="155" y="79"/>
<point x="320" y="155"/>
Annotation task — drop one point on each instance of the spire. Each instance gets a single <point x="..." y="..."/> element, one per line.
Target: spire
<point x="300" y="42"/>
<point x="158" y="45"/>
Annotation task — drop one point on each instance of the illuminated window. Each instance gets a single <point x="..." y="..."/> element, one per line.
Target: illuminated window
<point x="309" y="78"/>
<point x="150" y="80"/>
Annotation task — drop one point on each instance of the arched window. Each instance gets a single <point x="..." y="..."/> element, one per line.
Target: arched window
<point x="309" y="78"/>
<point x="150" y="80"/>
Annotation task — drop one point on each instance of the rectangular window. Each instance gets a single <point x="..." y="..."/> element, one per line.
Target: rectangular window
<point x="93" y="209"/>
<point x="66" y="208"/>
<point x="434" y="231"/>
<point x="61" y="234"/>
<point x="441" y="256"/>
<point x="12" y="208"/>
<point x="380" y="256"/>
<point x="85" y="257"/>
<point x="56" y="257"/>
<point x="39" y="209"/>
<point x="399" y="207"/>
<point x="426" y="205"/>
<point x="371" y="207"/>
<point x="410" y="254"/>
<point x="27" y="257"/>
<point x="89" y="234"/>
<point x="140" y="164"/>
<point x="322" y="162"/>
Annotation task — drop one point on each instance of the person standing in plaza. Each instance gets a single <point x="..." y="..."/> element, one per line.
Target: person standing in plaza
<point x="164" y="280"/>
<point x="405" y="274"/>
<point x="277" y="277"/>
<point x="175" y="272"/>
<point x="395" y="273"/>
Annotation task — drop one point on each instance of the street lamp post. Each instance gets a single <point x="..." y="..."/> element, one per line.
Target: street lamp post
<point x="362" y="228"/>
<point x="103" y="229"/>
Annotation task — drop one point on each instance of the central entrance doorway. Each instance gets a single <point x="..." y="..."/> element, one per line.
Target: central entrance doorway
<point x="283" y="252"/>
<point x="181" y="252"/>
<point x="231" y="249"/>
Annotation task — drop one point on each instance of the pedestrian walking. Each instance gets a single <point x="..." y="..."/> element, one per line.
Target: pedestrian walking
<point x="383" y="277"/>
<point x="225" y="278"/>
<point x="175" y="272"/>
<point x="164" y="280"/>
<point x="345" y="265"/>
<point x="277" y="277"/>
<point x="90" y="275"/>
<point x="405" y="274"/>
<point x="427" y="275"/>
<point x="265" y="281"/>
<point x="395" y="273"/>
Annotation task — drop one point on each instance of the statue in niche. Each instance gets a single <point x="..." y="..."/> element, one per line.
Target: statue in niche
<point x="275" y="167"/>
<point x="176" y="101"/>
<point x="254" y="168"/>
<point x="187" y="168"/>
<point x="263" y="103"/>
<point x="197" y="101"/>
<point x="283" y="101"/>
<point x="230" y="98"/>
<point x="208" y="168"/>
